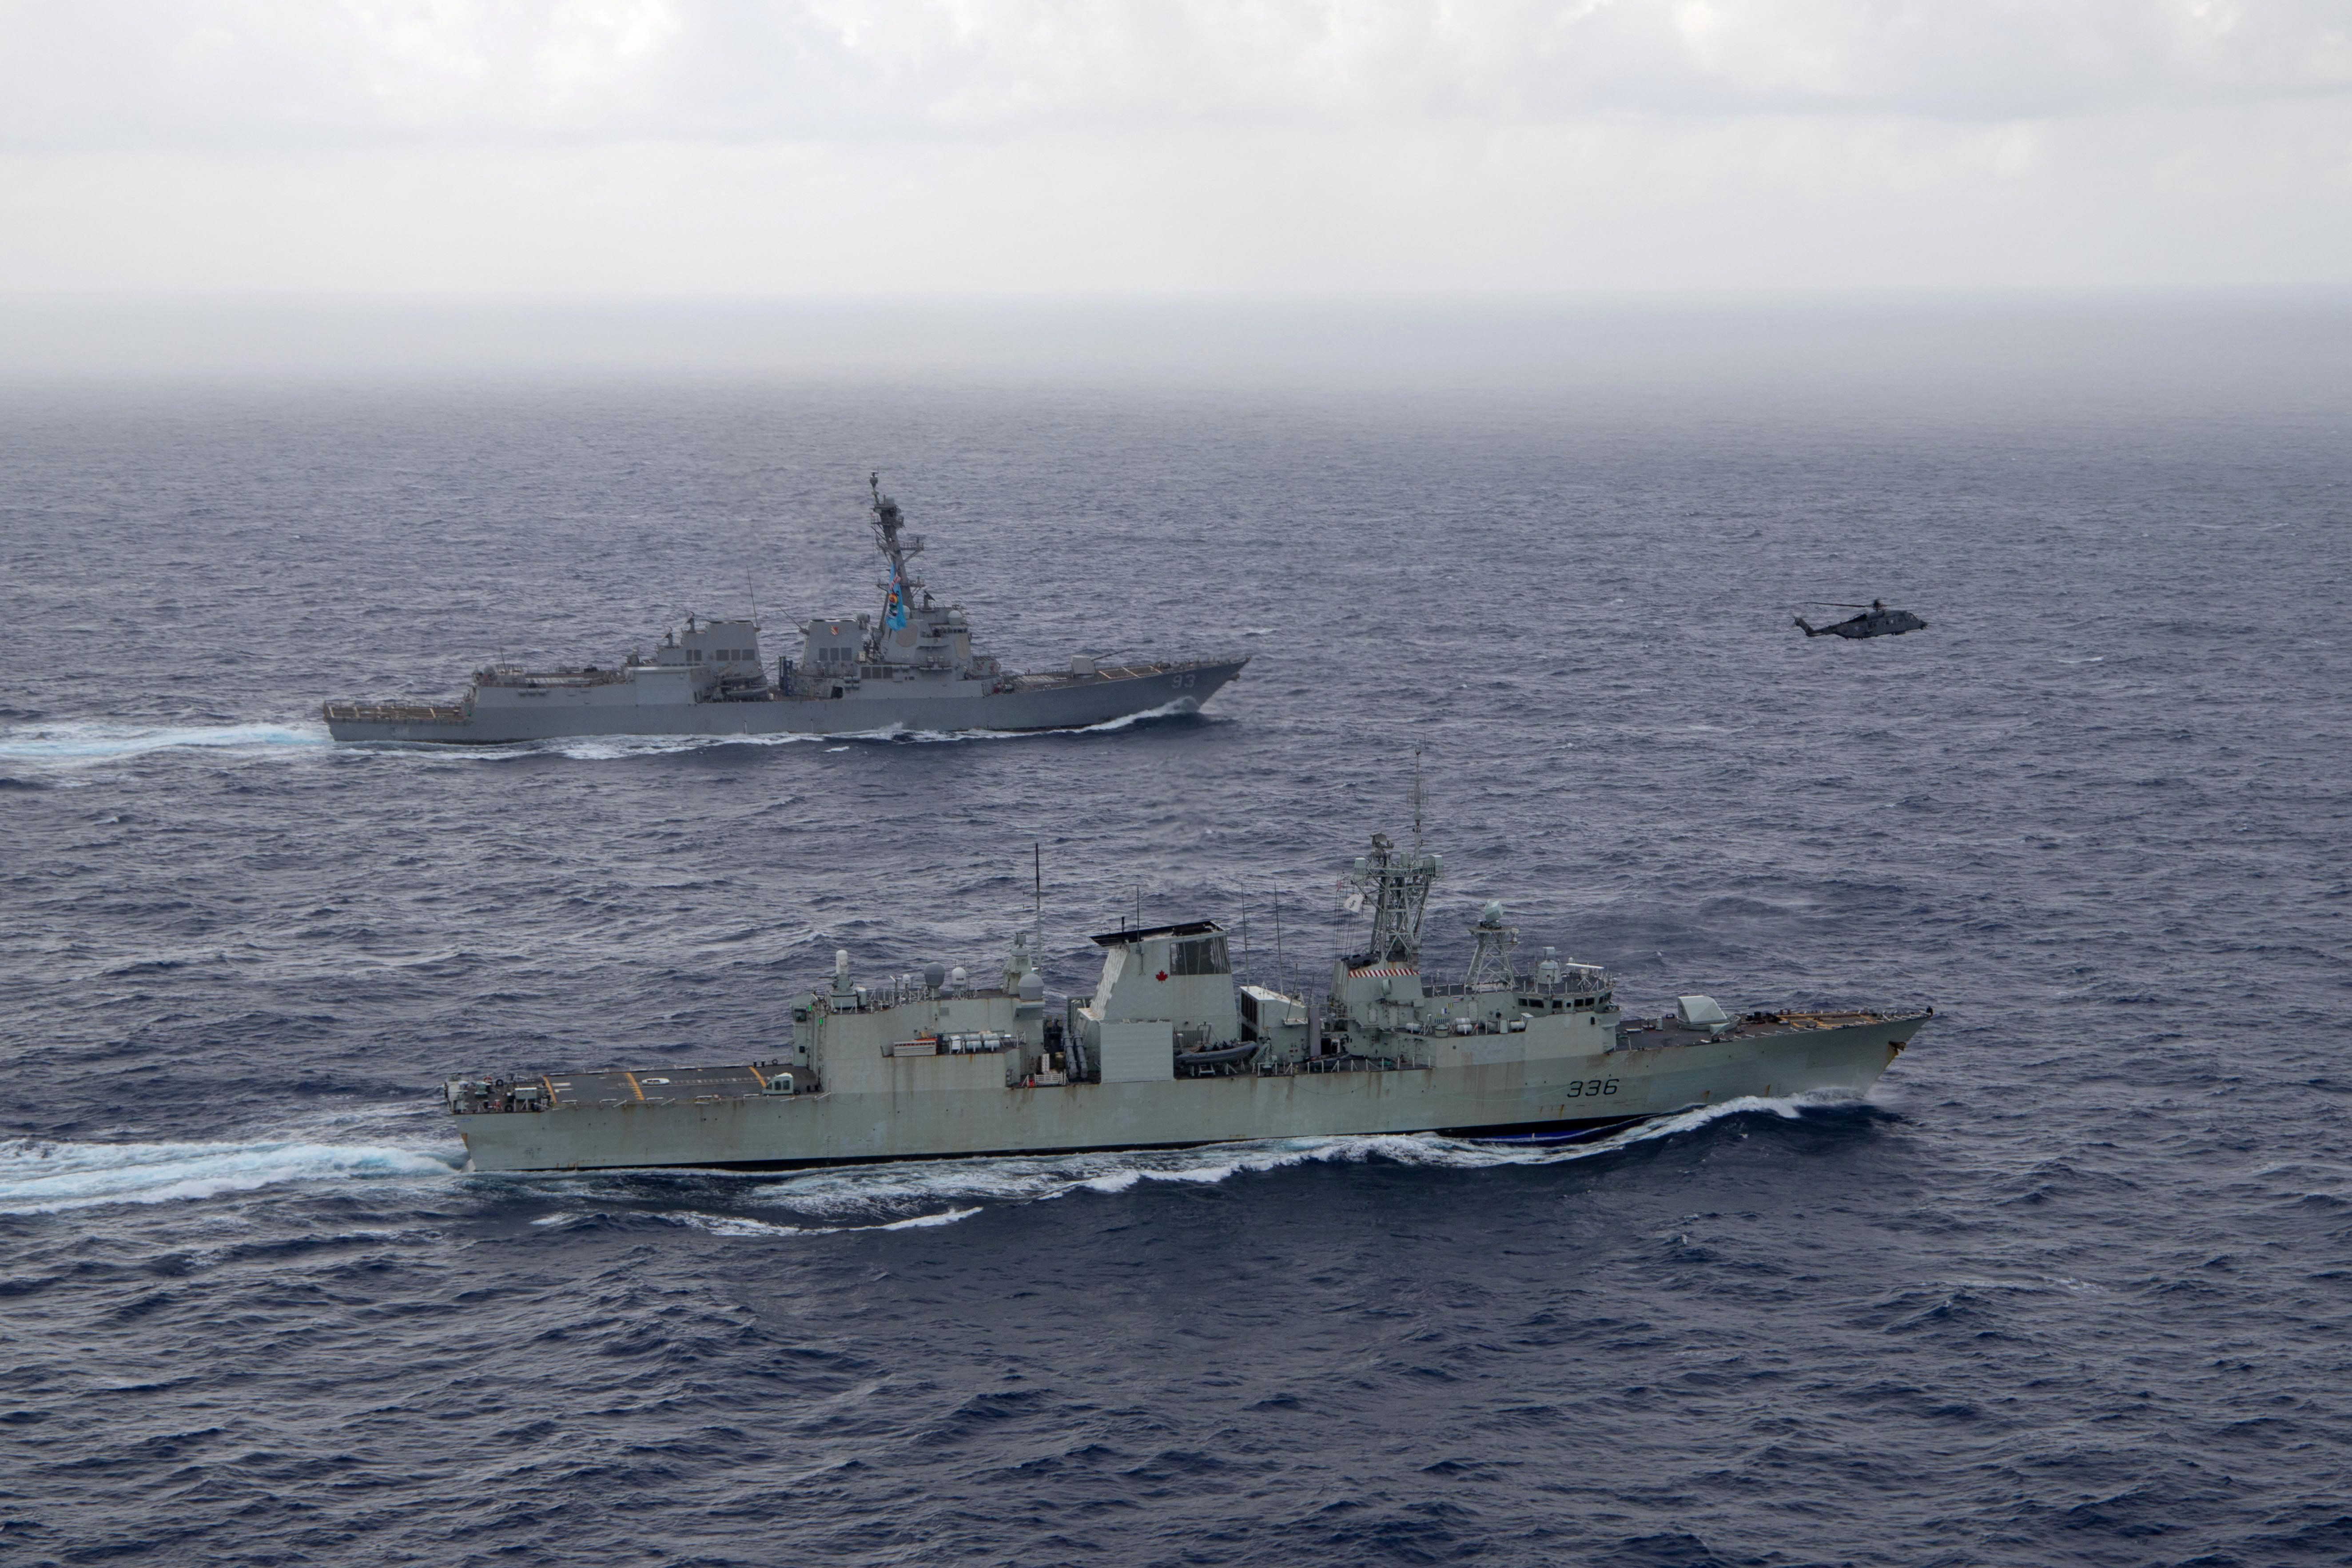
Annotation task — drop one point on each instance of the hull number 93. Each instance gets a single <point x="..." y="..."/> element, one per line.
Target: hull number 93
<point x="1177" y="683"/>
<point x="1592" y="1086"/>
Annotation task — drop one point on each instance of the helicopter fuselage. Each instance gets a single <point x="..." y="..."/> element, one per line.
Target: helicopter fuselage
<point x="1869" y="624"/>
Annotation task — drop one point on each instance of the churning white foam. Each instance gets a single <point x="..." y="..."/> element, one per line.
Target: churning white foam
<point x="843" y="1192"/>
<point x="740" y="1225"/>
<point x="603" y="748"/>
<point x="38" y="1177"/>
<point x="94" y="743"/>
<point x="1183" y="705"/>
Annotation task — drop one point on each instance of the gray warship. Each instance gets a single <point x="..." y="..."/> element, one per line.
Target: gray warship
<point x="1168" y="1051"/>
<point x="910" y="667"/>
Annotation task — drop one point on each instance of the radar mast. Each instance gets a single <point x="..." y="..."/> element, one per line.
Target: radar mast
<point x="898" y="588"/>
<point x="1491" y="968"/>
<point x="1397" y="886"/>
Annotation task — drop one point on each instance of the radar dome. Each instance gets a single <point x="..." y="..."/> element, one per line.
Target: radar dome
<point x="935" y="975"/>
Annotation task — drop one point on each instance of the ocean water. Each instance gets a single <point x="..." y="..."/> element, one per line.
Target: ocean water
<point x="2074" y="1284"/>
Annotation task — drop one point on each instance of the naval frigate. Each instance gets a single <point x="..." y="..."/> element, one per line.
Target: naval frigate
<point x="910" y="667"/>
<point x="1168" y="1051"/>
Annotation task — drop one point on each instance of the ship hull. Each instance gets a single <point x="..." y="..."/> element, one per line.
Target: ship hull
<point x="960" y="1114"/>
<point x="1072" y="703"/>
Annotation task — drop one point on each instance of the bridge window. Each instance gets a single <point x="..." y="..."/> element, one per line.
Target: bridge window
<point x="1204" y="956"/>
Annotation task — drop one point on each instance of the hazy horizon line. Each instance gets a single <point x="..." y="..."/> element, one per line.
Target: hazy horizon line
<point x="1780" y="338"/>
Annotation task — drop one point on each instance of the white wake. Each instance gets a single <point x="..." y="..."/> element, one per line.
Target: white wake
<point x="82" y="743"/>
<point x="96" y="743"/>
<point x="603" y="748"/>
<point x="870" y="1197"/>
<point x="860" y="1189"/>
<point x="38" y="1177"/>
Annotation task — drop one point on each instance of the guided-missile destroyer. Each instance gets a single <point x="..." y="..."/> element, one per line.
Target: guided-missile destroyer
<point x="911" y="668"/>
<point x="1168" y="1051"/>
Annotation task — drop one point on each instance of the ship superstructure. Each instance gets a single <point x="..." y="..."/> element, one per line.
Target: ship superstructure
<point x="910" y="665"/>
<point x="1167" y="1049"/>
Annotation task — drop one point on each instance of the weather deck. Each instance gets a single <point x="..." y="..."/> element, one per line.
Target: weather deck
<point x="398" y="712"/>
<point x="655" y="1084"/>
<point x="646" y="1086"/>
<point x="1643" y="1034"/>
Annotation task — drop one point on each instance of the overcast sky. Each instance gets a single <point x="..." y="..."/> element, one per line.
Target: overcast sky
<point x="781" y="148"/>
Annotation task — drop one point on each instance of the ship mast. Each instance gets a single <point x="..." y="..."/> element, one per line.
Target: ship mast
<point x="1490" y="959"/>
<point x="898" y="589"/>
<point x="1397" y="886"/>
<point x="1418" y="797"/>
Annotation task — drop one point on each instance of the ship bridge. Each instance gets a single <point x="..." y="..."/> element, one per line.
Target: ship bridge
<point x="1163" y="989"/>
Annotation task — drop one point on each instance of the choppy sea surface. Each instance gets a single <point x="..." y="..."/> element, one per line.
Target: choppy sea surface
<point x="2074" y="1284"/>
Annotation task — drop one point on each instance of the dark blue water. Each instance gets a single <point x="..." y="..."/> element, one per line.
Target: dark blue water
<point x="2073" y="1285"/>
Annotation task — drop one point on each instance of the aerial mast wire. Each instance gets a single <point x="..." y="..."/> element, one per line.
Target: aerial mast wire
<point x="1416" y="800"/>
<point x="1281" y="974"/>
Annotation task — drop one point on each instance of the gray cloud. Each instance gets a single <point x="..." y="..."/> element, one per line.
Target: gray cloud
<point x="145" y="72"/>
<point x="649" y="147"/>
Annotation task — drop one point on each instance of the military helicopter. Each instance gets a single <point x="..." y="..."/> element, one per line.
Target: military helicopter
<point x="1876" y="621"/>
